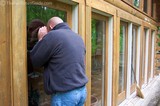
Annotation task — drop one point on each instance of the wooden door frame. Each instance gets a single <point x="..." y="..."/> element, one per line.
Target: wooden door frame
<point x="105" y="78"/>
<point x="122" y="95"/>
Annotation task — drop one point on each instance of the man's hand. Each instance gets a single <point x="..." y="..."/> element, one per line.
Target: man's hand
<point x="42" y="32"/>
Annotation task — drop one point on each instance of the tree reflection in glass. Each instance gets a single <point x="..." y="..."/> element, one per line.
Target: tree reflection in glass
<point x="98" y="35"/>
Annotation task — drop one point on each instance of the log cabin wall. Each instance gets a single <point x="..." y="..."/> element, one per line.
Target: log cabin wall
<point x="13" y="66"/>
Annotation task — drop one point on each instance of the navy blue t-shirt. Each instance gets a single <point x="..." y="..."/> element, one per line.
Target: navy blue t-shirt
<point x="62" y="53"/>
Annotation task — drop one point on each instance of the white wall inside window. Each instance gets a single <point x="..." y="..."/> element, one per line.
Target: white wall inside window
<point x="146" y="56"/>
<point x="75" y="18"/>
<point x="129" y="59"/>
<point x="110" y="56"/>
<point x="138" y="54"/>
<point x="152" y="54"/>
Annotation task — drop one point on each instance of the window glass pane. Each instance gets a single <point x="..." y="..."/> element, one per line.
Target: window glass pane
<point x="152" y="7"/>
<point x="36" y="94"/>
<point x="133" y="58"/>
<point x="43" y="13"/>
<point x="144" y="53"/>
<point x="136" y="3"/>
<point x="145" y="6"/>
<point x="98" y="48"/>
<point x="122" y="59"/>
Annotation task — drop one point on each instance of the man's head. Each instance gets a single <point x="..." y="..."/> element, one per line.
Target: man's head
<point x="32" y="34"/>
<point x="53" y="22"/>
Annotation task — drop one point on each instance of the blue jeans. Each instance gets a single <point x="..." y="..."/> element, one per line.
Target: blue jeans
<point x="75" y="97"/>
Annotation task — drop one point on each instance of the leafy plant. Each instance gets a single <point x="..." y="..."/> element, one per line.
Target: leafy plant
<point x="121" y="39"/>
<point x="94" y="36"/>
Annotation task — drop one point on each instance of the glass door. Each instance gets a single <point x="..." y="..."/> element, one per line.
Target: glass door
<point x="133" y="58"/>
<point x="122" y="62"/>
<point x="98" y="76"/>
<point x="38" y="16"/>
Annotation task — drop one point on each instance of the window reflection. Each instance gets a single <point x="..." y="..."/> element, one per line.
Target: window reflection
<point x="144" y="54"/>
<point x="122" y="59"/>
<point x="136" y="3"/>
<point x="98" y="47"/>
<point x="40" y="15"/>
<point x="145" y="3"/>
<point x="133" y="58"/>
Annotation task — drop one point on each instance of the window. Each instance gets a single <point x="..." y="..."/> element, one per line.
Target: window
<point x="122" y="62"/>
<point x="133" y="57"/>
<point x="145" y="7"/>
<point x="41" y="13"/>
<point x="98" y="59"/>
<point x="152" y="53"/>
<point x="36" y="94"/>
<point x="144" y="47"/>
<point x="136" y="3"/>
<point x="152" y="8"/>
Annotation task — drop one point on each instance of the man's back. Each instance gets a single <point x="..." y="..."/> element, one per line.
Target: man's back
<point x="62" y="53"/>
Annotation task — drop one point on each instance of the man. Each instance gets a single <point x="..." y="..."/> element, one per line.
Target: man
<point x="62" y="53"/>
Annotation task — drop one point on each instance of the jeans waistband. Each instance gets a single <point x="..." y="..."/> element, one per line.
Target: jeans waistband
<point x="79" y="88"/>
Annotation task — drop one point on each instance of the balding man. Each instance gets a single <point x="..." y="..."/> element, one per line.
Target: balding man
<point x="62" y="53"/>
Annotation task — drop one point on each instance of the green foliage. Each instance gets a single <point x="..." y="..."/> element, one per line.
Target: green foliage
<point x="158" y="35"/>
<point x="121" y="39"/>
<point x="94" y="36"/>
<point x="43" y="13"/>
<point x="158" y="43"/>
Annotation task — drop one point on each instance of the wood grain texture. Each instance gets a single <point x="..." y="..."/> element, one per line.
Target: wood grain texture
<point x="5" y="69"/>
<point x="130" y="9"/>
<point x="115" y="74"/>
<point x="88" y="53"/>
<point x="141" y="56"/>
<point x="104" y="7"/>
<point x="19" y="64"/>
<point x="81" y="21"/>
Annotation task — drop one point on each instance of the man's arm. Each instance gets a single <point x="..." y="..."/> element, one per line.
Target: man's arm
<point x="40" y="54"/>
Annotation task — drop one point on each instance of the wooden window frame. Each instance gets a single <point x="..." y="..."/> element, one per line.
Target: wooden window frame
<point x="144" y="40"/>
<point x="58" y="6"/>
<point x="105" y="71"/>
<point x="151" y="48"/>
<point x="143" y="57"/>
<point x="131" y="3"/>
<point x="133" y="86"/>
<point x="122" y="95"/>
